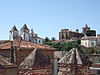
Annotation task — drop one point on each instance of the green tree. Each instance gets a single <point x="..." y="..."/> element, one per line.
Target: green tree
<point x="64" y="46"/>
<point x="53" y="39"/>
<point x="91" y="50"/>
<point x="46" y="39"/>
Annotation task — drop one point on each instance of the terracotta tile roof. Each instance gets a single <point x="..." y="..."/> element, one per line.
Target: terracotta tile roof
<point x="3" y="41"/>
<point x="33" y="33"/>
<point x="24" y="44"/>
<point x="36" y="38"/>
<point x="90" y="37"/>
<point x="73" y="57"/>
<point x="96" y="65"/>
<point x="4" y="62"/>
<point x="35" y="59"/>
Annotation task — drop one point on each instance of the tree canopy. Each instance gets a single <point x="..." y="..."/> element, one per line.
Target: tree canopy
<point x="64" y="46"/>
<point x="46" y="39"/>
<point x="53" y="39"/>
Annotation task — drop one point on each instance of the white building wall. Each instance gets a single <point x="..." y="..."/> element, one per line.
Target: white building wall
<point x="16" y="33"/>
<point x="89" y="42"/>
<point x="13" y="35"/>
<point x="34" y="40"/>
<point x="98" y="41"/>
<point x="84" y="43"/>
<point x="39" y="41"/>
<point x="25" y="36"/>
<point x="92" y="43"/>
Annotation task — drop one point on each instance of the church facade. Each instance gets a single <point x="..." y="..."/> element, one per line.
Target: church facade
<point x="25" y="34"/>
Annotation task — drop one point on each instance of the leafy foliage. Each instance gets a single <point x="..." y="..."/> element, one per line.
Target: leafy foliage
<point x="53" y="39"/>
<point x="64" y="46"/>
<point x="46" y="39"/>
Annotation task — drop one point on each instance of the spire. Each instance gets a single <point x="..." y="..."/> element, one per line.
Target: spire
<point x="24" y="27"/>
<point x="14" y="28"/>
<point x="86" y="25"/>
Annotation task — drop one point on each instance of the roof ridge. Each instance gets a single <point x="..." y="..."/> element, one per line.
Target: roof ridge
<point x="74" y="56"/>
<point x="14" y="28"/>
<point x="34" y="59"/>
<point x="24" y="27"/>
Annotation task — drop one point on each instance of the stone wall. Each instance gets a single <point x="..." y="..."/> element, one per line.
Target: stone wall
<point x="46" y="70"/>
<point x="66" y="34"/>
<point x="8" y="71"/>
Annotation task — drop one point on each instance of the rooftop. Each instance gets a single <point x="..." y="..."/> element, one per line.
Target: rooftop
<point x="35" y="59"/>
<point x="24" y="44"/>
<point x="14" y="28"/>
<point x="5" y="63"/>
<point x="74" y="56"/>
<point x="24" y="27"/>
<point x="36" y="38"/>
<point x="90" y="37"/>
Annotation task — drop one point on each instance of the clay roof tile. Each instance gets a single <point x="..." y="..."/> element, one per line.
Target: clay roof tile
<point x="24" y="44"/>
<point x="74" y="56"/>
<point x="35" y="59"/>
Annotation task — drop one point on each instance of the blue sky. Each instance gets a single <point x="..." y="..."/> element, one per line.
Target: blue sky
<point x="48" y="17"/>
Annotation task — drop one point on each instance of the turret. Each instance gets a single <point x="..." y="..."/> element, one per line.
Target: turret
<point x="85" y="29"/>
<point x="14" y="33"/>
<point x="24" y="33"/>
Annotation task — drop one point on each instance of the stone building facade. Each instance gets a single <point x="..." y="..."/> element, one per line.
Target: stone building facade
<point x="88" y="32"/>
<point x="67" y="34"/>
